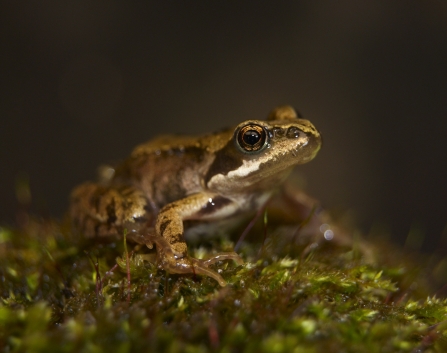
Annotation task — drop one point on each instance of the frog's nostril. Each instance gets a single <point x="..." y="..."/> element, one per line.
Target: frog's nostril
<point x="293" y="132"/>
<point x="278" y="132"/>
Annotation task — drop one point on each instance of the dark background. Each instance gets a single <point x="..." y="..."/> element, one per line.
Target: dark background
<point x="83" y="82"/>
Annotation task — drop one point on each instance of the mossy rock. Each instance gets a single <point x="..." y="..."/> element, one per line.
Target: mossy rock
<point x="60" y="292"/>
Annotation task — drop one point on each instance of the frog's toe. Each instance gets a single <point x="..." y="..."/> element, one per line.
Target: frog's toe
<point x="201" y="266"/>
<point x="173" y="261"/>
<point x="224" y="256"/>
<point x="202" y="269"/>
<point x="189" y="265"/>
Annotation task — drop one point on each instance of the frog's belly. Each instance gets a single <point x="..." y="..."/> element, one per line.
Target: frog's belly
<point x="201" y="231"/>
<point x="223" y="221"/>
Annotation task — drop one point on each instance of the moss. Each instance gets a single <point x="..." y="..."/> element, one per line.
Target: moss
<point x="60" y="292"/>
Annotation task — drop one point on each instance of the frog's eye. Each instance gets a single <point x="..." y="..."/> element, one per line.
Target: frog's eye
<point x="251" y="138"/>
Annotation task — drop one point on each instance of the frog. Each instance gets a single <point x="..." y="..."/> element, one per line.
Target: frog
<point x="173" y="182"/>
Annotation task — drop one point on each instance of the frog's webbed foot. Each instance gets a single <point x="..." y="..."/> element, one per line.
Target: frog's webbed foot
<point x="198" y="266"/>
<point x="175" y="262"/>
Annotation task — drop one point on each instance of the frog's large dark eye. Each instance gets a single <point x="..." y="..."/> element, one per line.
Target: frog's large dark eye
<point x="251" y="138"/>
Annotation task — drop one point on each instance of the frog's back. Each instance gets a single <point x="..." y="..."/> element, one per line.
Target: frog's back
<point x="171" y="167"/>
<point x="158" y="172"/>
<point x="178" y="144"/>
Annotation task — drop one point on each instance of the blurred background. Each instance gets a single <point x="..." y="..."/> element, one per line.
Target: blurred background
<point x="81" y="83"/>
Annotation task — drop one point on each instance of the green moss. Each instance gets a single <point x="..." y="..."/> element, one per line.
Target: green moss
<point x="59" y="293"/>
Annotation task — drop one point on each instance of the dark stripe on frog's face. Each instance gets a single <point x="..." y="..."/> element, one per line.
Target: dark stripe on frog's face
<point x="226" y="160"/>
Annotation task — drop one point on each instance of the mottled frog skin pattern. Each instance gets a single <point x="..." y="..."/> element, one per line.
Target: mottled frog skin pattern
<point x="173" y="179"/>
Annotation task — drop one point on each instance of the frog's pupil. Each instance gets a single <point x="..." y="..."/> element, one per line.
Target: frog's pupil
<point x="251" y="137"/>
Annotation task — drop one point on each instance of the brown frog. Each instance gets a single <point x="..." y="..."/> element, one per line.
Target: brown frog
<point x="208" y="179"/>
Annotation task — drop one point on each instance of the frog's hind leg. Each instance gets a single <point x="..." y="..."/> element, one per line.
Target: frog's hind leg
<point x="105" y="210"/>
<point x="315" y="225"/>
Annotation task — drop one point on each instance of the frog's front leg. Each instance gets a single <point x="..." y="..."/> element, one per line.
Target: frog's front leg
<point x="171" y="246"/>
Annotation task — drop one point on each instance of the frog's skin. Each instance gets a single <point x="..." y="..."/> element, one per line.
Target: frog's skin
<point x="173" y="179"/>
